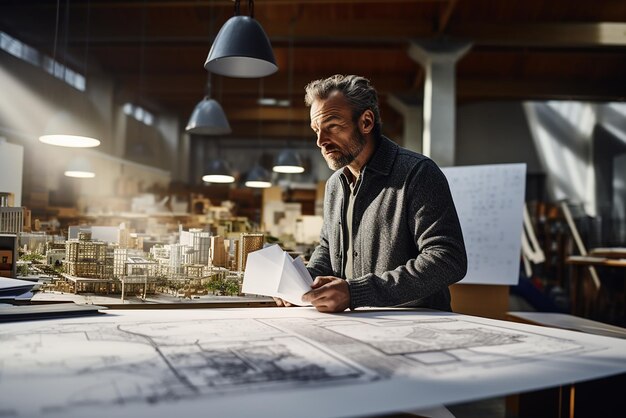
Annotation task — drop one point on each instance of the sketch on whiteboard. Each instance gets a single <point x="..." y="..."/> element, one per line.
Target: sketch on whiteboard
<point x="489" y="200"/>
<point x="101" y="363"/>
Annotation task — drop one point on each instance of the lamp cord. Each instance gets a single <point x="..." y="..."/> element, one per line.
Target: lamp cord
<point x="56" y="35"/>
<point x="290" y="79"/>
<point x="142" y="49"/>
<point x="65" y="37"/>
<point x="260" y="120"/>
<point x="250" y="8"/>
<point x="87" y="42"/>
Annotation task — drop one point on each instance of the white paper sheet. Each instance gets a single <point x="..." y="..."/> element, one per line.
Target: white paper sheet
<point x="271" y="362"/>
<point x="272" y="272"/>
<point x="14" y="287"/>
<point x="489" y="200"/>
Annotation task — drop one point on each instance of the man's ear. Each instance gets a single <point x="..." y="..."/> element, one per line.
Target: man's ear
<point x="366" y="122"/>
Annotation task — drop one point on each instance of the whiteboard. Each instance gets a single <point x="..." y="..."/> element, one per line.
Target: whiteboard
<point x="11" y="160"/>
<point x="489" y="200"/>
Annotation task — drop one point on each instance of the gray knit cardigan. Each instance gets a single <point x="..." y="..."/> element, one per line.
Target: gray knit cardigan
<point x="407" y="241"/>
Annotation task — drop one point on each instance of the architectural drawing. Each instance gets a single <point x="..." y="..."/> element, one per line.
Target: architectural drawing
<point x="132" y="361"/>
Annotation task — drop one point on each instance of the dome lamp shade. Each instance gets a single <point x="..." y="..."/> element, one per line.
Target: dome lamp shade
<point x="241" y="48"/>
<point x="218" y="171"/>
<point x="288" y="161"/>
<point x="208" y="118"/>
<point x="258" y="178"/>
<point x="79" y="167"/>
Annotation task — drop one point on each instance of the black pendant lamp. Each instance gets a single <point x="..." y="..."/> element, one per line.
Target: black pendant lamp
<point x="218" y="171"/>
<point x="259" y="178"/>
<point x="288" y="161"/>
<point x="241" y="48"/>
<point x="208" y="118"/>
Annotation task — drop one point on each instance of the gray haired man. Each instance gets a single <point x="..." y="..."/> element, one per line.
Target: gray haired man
<point x="391" y="235"/>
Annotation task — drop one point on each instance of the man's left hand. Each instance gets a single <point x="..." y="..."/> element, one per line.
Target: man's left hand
<point x="329" y="294"/>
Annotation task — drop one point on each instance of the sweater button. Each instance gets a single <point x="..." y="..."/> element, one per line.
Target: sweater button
<point x="355" y="254"/>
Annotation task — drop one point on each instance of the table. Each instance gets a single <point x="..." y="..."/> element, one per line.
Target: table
<point x="282" y="362"/>
<point x="587" y="300"/>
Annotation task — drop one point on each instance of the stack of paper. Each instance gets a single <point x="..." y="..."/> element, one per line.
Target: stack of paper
<point x="10" y="288"/>
<point x="272" y="272"/>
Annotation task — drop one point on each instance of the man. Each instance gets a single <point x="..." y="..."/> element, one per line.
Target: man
<point x="391" y="234"/>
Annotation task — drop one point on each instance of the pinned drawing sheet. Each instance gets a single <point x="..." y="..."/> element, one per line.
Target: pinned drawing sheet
<point x="489" y="200"/>
<point x="272" y="272"/>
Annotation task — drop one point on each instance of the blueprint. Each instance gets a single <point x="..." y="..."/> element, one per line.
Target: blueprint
<point x="282" y="362"/>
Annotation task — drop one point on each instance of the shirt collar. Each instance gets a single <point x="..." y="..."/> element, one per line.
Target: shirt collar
<point x="384" y="156"/>
<point x="381" y="161"/>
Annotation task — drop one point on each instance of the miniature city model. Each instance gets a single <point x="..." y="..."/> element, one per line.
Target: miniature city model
<point x="199" y="264"/>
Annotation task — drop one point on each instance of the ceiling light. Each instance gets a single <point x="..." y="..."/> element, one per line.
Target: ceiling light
<point x="288" y="161"/>
<point x="218" y="171"/>
<point x="208" y="118"/>
<point x="80" y="167"/>
<point x="259" y="178"/>
<point x="241" y="48"/>
<point x="64" y="131"/>
<point x="267" y="101"/>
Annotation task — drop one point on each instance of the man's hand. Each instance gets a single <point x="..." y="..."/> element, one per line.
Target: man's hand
<point x="329" y="294"/>
<point x="280" y="302"/>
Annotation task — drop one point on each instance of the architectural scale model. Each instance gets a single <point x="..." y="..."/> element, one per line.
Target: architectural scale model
<point x="199" y="263"/>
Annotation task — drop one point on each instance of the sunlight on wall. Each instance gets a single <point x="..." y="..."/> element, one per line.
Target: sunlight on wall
<point x="562" y="133"/>
<point x="20" y="107"/>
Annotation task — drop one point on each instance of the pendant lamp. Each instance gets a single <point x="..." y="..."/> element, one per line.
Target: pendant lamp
<point x="241" y="48"/>
<point x="79" y="167"/>
<point x="288" y="161"/>
<point x="218" y="171"/>
<point x="208" y="118"/>
<point x="258" y="178"/>
<point x="64" y="131"/>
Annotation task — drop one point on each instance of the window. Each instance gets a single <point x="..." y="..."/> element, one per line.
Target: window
<point x="29" y="54"/>
<point x="138" y="113"/>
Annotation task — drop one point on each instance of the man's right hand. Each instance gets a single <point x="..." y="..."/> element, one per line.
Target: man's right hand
<point x="280" y="302"/>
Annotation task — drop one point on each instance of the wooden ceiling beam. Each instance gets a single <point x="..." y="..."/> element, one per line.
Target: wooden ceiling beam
<point x="552" y="35"/>
<point x="274" y="85"/>
<point x="307" y="32"/>
<point x="195" y="4"/>
<point x="299" y="130"/>
<point x="493" y="89"/>
<point x="445" y="15"/>
<point x="267" y="114"/>
<point x="349" y="34"/>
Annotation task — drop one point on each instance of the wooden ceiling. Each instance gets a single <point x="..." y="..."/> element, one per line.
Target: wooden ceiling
<point x="155" y="50"/>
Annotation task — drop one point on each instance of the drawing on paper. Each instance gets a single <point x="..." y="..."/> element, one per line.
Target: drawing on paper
<point x="109" y="364"/>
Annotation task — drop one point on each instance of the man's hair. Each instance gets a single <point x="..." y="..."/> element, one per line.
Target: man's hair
<point x="357" y="90"/>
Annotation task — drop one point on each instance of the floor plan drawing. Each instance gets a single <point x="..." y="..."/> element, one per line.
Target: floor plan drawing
<point x="151" y="363"/>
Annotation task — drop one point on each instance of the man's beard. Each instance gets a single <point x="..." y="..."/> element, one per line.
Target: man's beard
<point x="345" y="157"/>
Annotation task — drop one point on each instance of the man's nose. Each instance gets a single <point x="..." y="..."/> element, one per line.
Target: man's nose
<point x="321" y="139"/>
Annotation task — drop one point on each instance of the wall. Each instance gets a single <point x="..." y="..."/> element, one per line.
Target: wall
<point x="579" y="147"/>
<point x="30" y="97"/>
<point x="494" y="133"/>
<point x="11" y="166"/>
